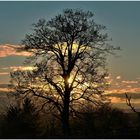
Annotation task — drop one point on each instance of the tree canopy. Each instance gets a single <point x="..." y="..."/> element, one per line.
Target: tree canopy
<point x="68" y="53"/>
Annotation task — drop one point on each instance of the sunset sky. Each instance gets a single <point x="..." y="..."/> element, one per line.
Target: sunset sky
<point x="122" y="20"/>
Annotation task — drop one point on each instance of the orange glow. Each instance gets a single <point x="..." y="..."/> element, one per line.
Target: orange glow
<point x="118" y="77"/>
<point x="130" y="82"/>
<point x="70" y="80"/>
<point x="4" y="73"/>
<point x="116" y="100"/>
<point x="9" y="50"/>
<point x="120" y="85"/>
<point x="22" y="68"/>
<point x="5" y="90"/>
<point x="128" y="89"/>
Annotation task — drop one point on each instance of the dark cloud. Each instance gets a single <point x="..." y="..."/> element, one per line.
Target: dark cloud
<point x="11" y="50"/>
<point x="3" y="85"/>
<point x="122" y="95"/>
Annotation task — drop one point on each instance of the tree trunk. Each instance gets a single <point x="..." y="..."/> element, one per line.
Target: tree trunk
<point x="65" y="115"/>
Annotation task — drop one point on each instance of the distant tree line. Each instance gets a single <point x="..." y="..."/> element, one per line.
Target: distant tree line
<point x="28" y="121"/>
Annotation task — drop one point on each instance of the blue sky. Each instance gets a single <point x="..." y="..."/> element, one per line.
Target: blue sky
<point x="122" y="20"/>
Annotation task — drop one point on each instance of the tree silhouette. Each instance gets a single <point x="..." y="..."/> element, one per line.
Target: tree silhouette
<point x="69" y="59"/>
<point x="128" y="102"/>
<point x="20" y="121"/>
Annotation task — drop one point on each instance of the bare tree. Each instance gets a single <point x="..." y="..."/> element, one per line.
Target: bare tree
<point x="128" y="102"/>
<point x="69" y="57"/>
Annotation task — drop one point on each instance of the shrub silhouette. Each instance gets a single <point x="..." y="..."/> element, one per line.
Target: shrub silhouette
<point x="101" y="122"/>
<point x="93" y="122"/>
<point x="112" y="122"/>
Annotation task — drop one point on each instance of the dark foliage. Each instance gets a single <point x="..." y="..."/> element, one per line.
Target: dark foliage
<point x="20" y="122"/>
<point x="99" y="122"/>
<point x="103" y="122"/>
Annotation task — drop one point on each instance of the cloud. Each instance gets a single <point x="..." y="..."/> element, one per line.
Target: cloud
<point x="109" y="79"/>
<point x="124" y="90"/>
<point x="8" y="90"/>
<point x="120" y="85"/>
<point x="22" y="68"/>
<point x="116" y="100"/>
<point x="122" y="95"/>
<point x="3" y="85"/>
<point x="118" y="77"/>
<point x="4" y="90"/>
<point x="4" y="73"/>
<point x="10" y="50"/>
<point x="130" y="82"/>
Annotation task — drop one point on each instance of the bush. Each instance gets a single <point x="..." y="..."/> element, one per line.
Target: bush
<point x="20" y="122"/>
<point x="101" y="122"/>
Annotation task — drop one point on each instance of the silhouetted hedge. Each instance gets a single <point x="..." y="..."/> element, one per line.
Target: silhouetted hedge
<point x="101" y="122"/>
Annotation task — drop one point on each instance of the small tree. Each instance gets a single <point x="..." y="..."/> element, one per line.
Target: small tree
<point x="20" y="121"/>
<point x="69" y="59"/>
<point x="128" y="102"/>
